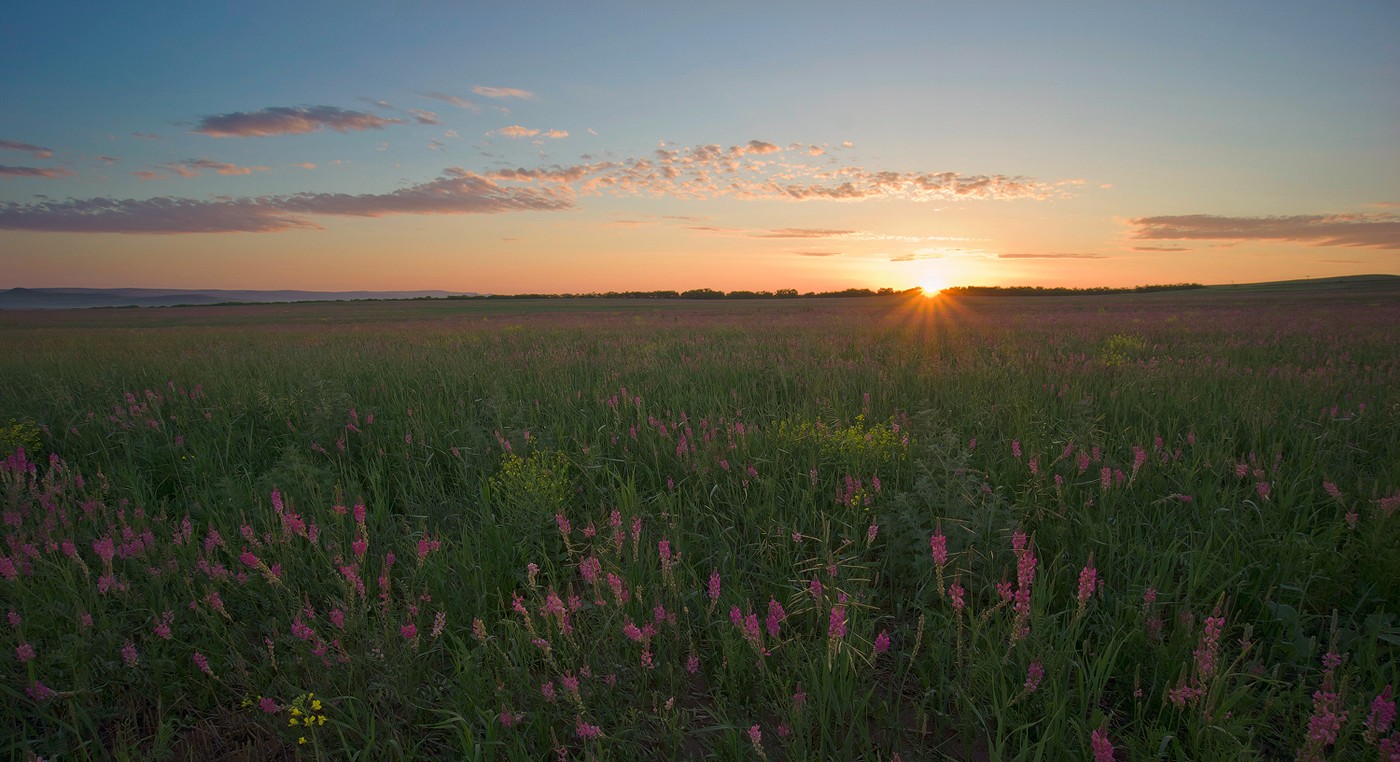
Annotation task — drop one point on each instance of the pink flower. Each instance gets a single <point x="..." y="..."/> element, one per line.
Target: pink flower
<point x="882" y="642"/>
<point x="1088" y="583"/>
<point x="1382" y="716"/>
<point x="871" y="533"/>
<point x="360" y="545"/>
<point x="590" y="568"/>
<point x="938" y="544"/>
<point x="268" y="706"/>
<point x="586" y="731"/>
<point x="714" y="585"/>
<point x="692" y="663"/>
<point x="202" y="661"/>
<point x="129" y="654"/>
<point x="359" y="511"/>
<point x="163" y="626"/>
<point x="1034" y="673"/>
<point x="409" y="631"/>
<point x="756" y="735"/>
<point x="1103" y="750"/>
<point x="565" y="528"/>
<point x="547" y="690"/>
<point x="836" y="627"/>
<point x="338" y="618"/>
<point x="775" y="617"/>
<point x="24" y="652"/>
<point x="955" y="594"/>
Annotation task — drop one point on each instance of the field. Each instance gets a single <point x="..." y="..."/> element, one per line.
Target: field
<point x="1128" y="527"/>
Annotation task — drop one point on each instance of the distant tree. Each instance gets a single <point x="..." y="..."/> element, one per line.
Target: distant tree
<point x="702" y="293"/>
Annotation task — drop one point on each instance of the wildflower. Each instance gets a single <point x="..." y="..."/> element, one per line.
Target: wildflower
<point x="1382" y="716"/>
<point x="163" y="626"/>
<point x="1088" y="583"/>
<point x="40" y="692"/>
<point x="775" y="618"/>
<point x="439" y="623"/>
<point x="714" y="585"/>
<point x="871" y="533"/>
<point x="565" y="528"/>
<point x="547" y="690"/>
<point x="202" y="661"/>
<point x="24" y="652"/>
<point x="836" y="627"/>
<point x="1103" y="750"/>
<point x="586" y="731"/>
<point x="268" y="706"/>
<point x="409" y="631"/>
<point x="756" y="738"/>
<point x="938" y="545"/>
<point x="692" y="663"/>
<point x="955" y="595"/>
<point x="815" y="588"/>
<point x="1034" y="674"/>
<point x="129" y="653"/>
<point x="882" y="642"/>
<point x="479" y="630"/>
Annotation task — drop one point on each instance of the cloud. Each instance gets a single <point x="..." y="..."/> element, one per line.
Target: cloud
<point x="193" y="167"/>
<point x="803" y="233"/>
<point x="1161" y="248"/>
<point x="48" y="172"/>
<point x="305" y="165"/>
<point x="502" y="92"/>
<point x="424" y="117"/>
<point x="456" y="191"/>
<point x="1375" y="231"/>
<point x="516" y="131"/>
<point x="146" y="174"/>
<point x="38" y="152"/>
<point x="557" y="134"/>
<point x="761" y="170"/>
<point x="817" y="253"/>
<point x="145" y="136"/>
<point x="454" y="100"/>
<point x="107" y="160"/>
<point x="289" y="120"/>
<point x="1053" y="255"/>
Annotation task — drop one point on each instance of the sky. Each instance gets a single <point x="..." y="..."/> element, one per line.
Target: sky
<point x="578" y="147"/>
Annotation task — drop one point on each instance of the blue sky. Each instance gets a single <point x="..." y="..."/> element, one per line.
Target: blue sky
<point x="352" y="145"/>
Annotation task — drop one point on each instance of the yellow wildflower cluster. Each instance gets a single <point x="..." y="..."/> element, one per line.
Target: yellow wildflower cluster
<point x="860" y="446"/>
<point x="16" y="434"/>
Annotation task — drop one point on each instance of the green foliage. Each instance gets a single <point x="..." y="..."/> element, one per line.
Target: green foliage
<point x="527" y="493"/>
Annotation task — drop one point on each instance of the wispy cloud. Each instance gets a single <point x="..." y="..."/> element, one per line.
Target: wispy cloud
<point x="289" y="120"/>
<point x="305" y="165"/>
<point x="557" y="134"/>
<point x="803" y="233"/>
<point x="1161" y="248"/>
<point x="762" y="170"/>
<point x="502" y="92"/>
<point x="457" y="191"/>
<point x="194" y="167"/>
<point x="146" y="174"/>
<point x="1376" y="231"/>
<point x="422" y="116"/>
<point x="48" y="172"/>
<point x="1054" y="255"/>
<point x="38" y="152"/>
<point x="817" y="253"/>
<point x="516" y="131"/>
<point x="454" y="100"/>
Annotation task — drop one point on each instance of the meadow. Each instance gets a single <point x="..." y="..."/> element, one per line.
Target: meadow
<point x="1147" y="526"/>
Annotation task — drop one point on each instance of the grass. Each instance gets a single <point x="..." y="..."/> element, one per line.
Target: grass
<point x="618" y="531"/>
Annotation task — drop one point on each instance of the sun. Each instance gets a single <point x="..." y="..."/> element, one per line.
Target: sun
<point x="932" y="286"/>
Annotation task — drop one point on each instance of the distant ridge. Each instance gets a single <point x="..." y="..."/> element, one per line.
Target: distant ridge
<point x="71" y="298"/>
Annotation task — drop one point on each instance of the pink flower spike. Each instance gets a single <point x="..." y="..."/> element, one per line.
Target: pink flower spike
<point x="714" y="585"/>
<point x="1103" y="750"/>
<point x="836" y="627"/>
<point x="938" y="545"/>
<point x="1034" y="674"/>
<point x="882" y="642"/>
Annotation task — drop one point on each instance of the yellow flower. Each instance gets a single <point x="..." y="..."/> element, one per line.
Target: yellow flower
<point x="292" y="721"/>
<point x="321" y="720"/>
<point x="296" y="712"/>
<point x="316" y="705"/>
<point x="301" y="740"/>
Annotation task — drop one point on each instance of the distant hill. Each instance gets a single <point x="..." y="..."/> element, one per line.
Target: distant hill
<point x="71" y="298"/>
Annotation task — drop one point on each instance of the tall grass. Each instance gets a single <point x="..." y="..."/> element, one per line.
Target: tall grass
<point x="1153" y="526"/>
